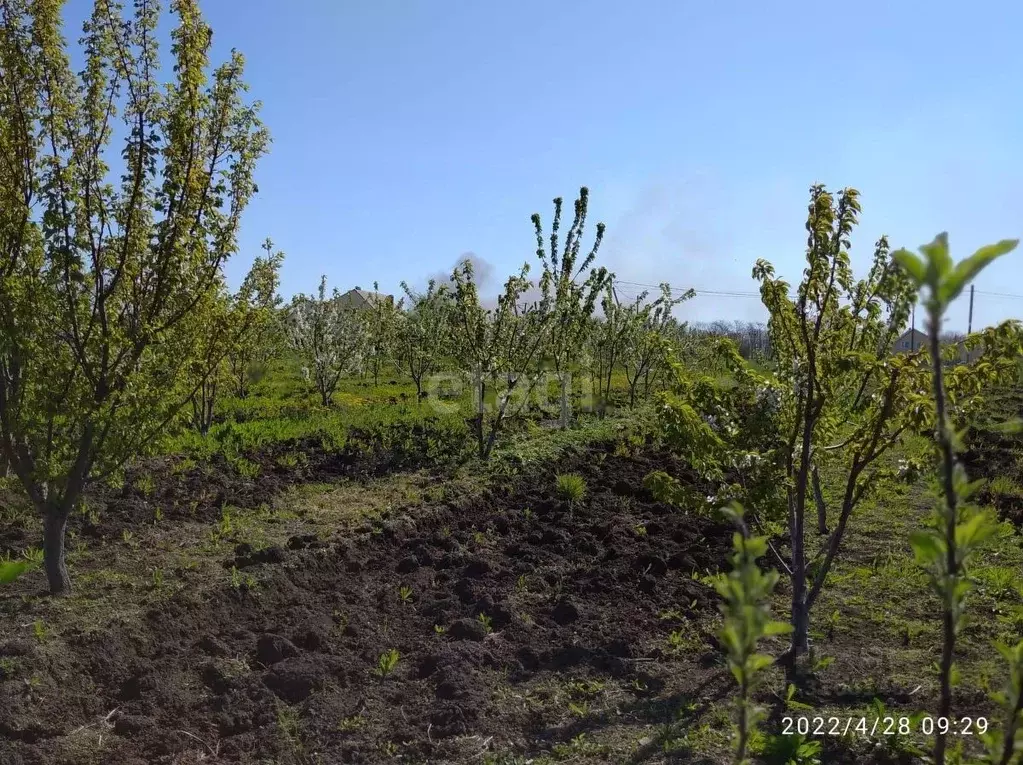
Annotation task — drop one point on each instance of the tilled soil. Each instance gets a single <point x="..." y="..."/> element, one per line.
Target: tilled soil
<point x="502" y="592"/>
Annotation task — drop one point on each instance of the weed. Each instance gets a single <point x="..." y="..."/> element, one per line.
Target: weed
<point x="226" y="524"/>
<point x="1003" y="486"/>
<point x="487" y="622"/>
<point x="183" y="466"/>
<point x="507" y="759"/>
<point x="353" y="723"/>
<point x="579" y="709"/>
<point x="405" y="594"/>
<point x="387" y="662"/>
<point x="792" y="750"/>
<point x="640" y="530"/>
<point x="242" y="581"/>
<point x="247" y="468"/>
<point x="585" y="688"/>
<point x="571" y="487"/>
<point x="144" y="484"/>
<point x="289" y="724"/>
<point x="39" y="630"/>
<point x="88" y="512"/>
<point x="579" y="746"/>
<point x="439" y="629"/>
<point x="897" y="744"/>
<point x="157" y="578"/>
<point x="831" y="623"/>
<point x="790" y="700"/>
<point x="8" y="667"/>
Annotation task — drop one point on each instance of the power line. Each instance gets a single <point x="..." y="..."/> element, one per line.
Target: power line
<point x="1000" y="294"/>
<point x="740" y="293"/>
<point x="726" y="293"/>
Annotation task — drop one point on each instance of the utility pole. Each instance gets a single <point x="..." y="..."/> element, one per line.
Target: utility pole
<point x="969" y="322"/>
<point x="912" y="331"/>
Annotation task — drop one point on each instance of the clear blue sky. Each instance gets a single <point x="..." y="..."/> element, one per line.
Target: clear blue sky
<point x="409" y="132"/>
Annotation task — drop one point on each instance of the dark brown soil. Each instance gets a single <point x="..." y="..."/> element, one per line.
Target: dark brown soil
<point x="524" y="586"/>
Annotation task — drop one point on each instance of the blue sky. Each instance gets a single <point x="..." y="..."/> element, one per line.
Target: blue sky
<point x="409" y="132"/>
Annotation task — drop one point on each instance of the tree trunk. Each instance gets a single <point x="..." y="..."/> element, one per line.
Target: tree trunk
<point x="480" y="414"/>
<point x="54" y="525"/>
<point x="800" y="614"/>
<point x="818" y="497"/>
<point x="564" y="400"/>
<point x="797" y="519"/>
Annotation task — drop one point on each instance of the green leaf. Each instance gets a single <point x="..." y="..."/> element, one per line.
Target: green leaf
<point x="777" y="628"/>
<point x="939" y="262"/>
<point x="927" y="546"/>
<point x="759" y="661"/>
<point x="967" y="269"/>
<point x="912" y="265"/>
<point x="1009" y="427"/>
<point x="974" y="531"/>
<point x="12" y="569"/>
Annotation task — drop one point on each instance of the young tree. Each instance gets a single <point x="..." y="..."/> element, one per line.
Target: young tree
<point x="261" y="342"/>
<point x="571" y="295"/>
<point x="647" y="329"/>
<point x="631" y="336"/>
<point x="746" y="593"/>
<point x="605" y="342"/>
<point x="105" y="284"/>
<point x="825" y="347"/>
<point x="846" y="399"/>
<point x="235" y="323"/>
<point x="958" y="529"/>
<point x="381" y="333"/>
<point x="423" y="333"/>
<point x="497" y="349"/>
<point x="329" y="335"/>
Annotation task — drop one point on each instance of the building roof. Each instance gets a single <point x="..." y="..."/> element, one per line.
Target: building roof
<point x="370" y="298"/>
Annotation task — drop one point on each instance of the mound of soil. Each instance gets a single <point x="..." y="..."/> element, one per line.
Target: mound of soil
<point x="479" y="596"/>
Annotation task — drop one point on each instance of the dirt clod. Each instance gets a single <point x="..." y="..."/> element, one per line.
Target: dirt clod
<point x="271" y="649"/>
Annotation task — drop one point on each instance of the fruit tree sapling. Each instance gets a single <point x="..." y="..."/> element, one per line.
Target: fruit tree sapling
<point x="571" y="294"/>
<point x="262" y="341"/>
<point x="498" y="349"/>
<point x="423" y="334"/>
<point x="329" y="335"/>
<point x="958" y="529"/>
